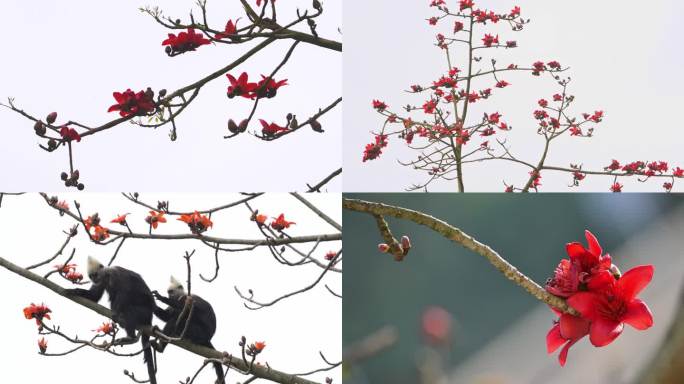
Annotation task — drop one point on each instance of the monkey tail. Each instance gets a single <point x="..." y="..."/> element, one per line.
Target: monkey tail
<point x="218" y="367"/>
<point x="147" y="353"/>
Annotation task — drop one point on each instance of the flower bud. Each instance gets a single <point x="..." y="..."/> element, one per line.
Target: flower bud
<point x="39" y="127"/>
<point x="405" y="243"/>
<point x="316" y="126"/>
<point x="384" y="248"/>
<point x="51" y="117"/>
<point x="243" y="125"/>
<point x="75" y="174"/>
<point x="80" y="186"/>
<point x="52" y="144"/>
<point x="64" y="176"/>
<point x="232" y="127"/>
<point x="294" y="123"/>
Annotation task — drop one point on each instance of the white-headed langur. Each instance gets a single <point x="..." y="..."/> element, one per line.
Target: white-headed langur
<point x="200" y="328"/>
<point x="132" y="303"/>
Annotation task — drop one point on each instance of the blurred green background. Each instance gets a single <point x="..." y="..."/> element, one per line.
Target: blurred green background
<point x="530" y="231"/>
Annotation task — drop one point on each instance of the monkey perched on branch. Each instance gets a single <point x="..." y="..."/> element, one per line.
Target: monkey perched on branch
<point x="132" y="303"/>
<point x="191" y="314"/>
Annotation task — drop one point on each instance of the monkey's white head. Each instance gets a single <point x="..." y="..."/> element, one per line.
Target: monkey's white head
<point x="95" y="270"/>
<point x="176" y="289"/>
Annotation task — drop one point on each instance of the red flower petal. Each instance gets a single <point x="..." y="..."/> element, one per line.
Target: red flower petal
<point x="119" y="97"/>
<point x="573" y="327"/>
<point x="604" y="331"/>
<point x="563" y="355"/>
<point x="593" y="243"/>
<point x="585" y="303"/>
<point x="575" y="250"/>
<point x="232" y="79"/>
<point x="600" y="281"/>
<point x="638" y="315"/>
<point x="634" y="280"/>
<point x="554" y="339"/>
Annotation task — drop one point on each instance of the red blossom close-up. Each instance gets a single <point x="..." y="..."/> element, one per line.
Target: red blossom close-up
<point x="38" y="312"/>
<point x="279" y="223"/>
<point x="130" y="103"/>
<point x="186" y="41"/>
<point x="604" y="298"/>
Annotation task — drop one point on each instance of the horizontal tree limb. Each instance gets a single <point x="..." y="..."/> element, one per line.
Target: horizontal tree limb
<point x="259" y="371"/>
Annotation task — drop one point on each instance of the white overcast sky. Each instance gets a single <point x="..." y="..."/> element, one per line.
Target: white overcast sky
<point x="294" y="329"/>
<point x="621" y="62"/>
<point x="69" y="56"/>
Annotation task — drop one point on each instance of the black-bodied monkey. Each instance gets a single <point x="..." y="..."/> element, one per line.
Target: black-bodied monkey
<point x="131" y="302"/>
<point x="201" y="327"/>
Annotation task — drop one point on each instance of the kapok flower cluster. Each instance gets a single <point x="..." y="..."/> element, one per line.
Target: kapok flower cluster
<point x="605" y="298"/>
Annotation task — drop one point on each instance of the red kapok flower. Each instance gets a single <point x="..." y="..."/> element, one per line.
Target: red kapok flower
<point x="184" y="42"/>
<point x="374" y="150"/>
<point x="101" y="233"/>
<point x="91" y="221"/>
<point x="489" y="40"/>
<point x="379" y="105"/>
<point x="465" y="4"/>
<point x="155" y="218"/>
<point x="280" y="223"/>
<point x="429" y="106"/>
<point x="121" y="219"/>
<point x="105" y="328"/>
<point x="230" y="30"/>
<point x="566" y="331"/>
<point x="129" y="103"/>
<point x="241" y="86"/>
<point x="565" y="280"/>
<point x="197" y="222"/>
<point x="609" y="309"/>
<point x="259" y="346"/>
<point x="260" y="219"/>
<point x="330" y="255"/>
<point x="42" y="345"/>
<point x="590" y="262"/>
<point x="38" y="312"/>
<point x="65" y="268"/>
<point x="271" y="129"/>
<point x="74" y="276"/>
<point x="268" y="87"/>
<point x="69" y="134"/>
<point x="616" y="187"/>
